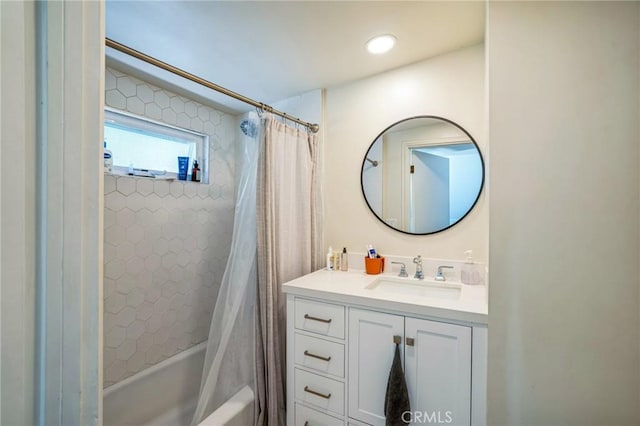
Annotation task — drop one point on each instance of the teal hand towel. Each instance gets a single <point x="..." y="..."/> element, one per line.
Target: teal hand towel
<point x="396" y="402"/>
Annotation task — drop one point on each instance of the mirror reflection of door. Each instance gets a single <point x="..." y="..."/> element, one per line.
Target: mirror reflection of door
<point x="447" y="179"/>
<point x="429" y="174"/>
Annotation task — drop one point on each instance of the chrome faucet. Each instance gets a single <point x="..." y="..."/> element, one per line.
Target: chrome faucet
<point x="440" y="275"/>
<point x="418" y="261"/>
<point x="403" y="269"/>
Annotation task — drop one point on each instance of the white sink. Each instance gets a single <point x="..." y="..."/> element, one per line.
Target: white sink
<point x="417" y="288"/>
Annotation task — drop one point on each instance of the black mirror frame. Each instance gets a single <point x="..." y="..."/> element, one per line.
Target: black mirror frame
<point x="364" y="161"/>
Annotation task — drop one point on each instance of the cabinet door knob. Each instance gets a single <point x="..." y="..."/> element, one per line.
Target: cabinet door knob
<point x="410" y="341"/>
<point x="397" y="340"/>
<point x="323" y="358"/>
<point x="321" y="395"/>
<point x="309" y="317"/>
<point x="306" y="423"/>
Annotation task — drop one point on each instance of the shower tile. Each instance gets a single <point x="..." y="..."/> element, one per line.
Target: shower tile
<point x="144" y="342"/>
<point x="135" y="233"/>
<point x="126" y="316"/>
<point x="190" y="190"/>
<point x="154" y="323"/>
<point x="153" y="111"/>
<point x="116" y="371"/>
<point x="126" y="349"/>
<point x="153" y="355"/>
<point x="152" y="295"/>
<point x="126" y="284"/>
<point x="183" y="120"/>
<point x="135" y="363"/>
<point x="144" y="248"/>
<point x="191" y="109"/>
<point x="176" y="189"/>
<point x="109" y="80"/>
<point x="197" y="124"/>
<point x="144" y="93"/>
<point x="136" y="202"/>
<point x="126" y="86"/>
<point x="168" y="289"/>
<point x="161" y="99"/>
<point x="144" y="217"/>
<point x="109" y="184"/>
<point x="144" y="311"/>
<point x="135" y="105"/>
<point x="177" y="104"/>
<point x="135" y="330"/>
<point x="115" y="99"/>
<point x="114" y="269"/>
<point x="164" y="252"/>
<point x="135" y="266"/>
<point x="115" y="337"/>
<point x="153" y="202"/>
<point x="115" y="201"/>
<point x="152" y="262"/>
<point x="144" y="186"/>
<point x="169" y="116"/>
<point x="135" y="297"/>
<point x="169" y="260"/>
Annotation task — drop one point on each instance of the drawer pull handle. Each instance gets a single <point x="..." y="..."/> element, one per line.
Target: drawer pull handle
<point x="410" y="341"/>
<point x="397" y="340"/>
<point x="323" y="358"/>
<point x="309" y="317"/>
<point x="321" y="395"/>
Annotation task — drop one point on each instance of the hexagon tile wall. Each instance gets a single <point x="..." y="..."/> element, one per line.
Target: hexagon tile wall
<point x="165" y="243"/>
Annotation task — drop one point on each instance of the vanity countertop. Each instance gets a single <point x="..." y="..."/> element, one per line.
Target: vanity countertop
<point x="354" y="287"/>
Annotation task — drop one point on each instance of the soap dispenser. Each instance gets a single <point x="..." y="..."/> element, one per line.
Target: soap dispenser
<point x="469" y="273"/>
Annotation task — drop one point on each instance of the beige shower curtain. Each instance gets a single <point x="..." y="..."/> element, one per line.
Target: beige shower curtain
<point x="288" y="246"/>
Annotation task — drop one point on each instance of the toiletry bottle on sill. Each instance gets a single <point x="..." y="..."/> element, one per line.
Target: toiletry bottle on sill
<point x="195" y="172"/>
<point x="108" y="158"/>
<point x="344" y="260"/>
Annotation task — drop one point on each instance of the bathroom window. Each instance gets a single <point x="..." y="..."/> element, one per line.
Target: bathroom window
<point x="145" y="147"/>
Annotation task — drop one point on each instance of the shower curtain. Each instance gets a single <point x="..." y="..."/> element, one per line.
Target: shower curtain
<point x="276" y="238"/>
<point x="229" y="361"/>
<point x="288" y="247"/>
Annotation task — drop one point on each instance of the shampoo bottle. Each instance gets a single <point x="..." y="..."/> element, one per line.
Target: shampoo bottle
<point x="330" y="259"/>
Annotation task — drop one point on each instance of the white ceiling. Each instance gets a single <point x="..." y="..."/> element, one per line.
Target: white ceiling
<point x="270" y="51"/>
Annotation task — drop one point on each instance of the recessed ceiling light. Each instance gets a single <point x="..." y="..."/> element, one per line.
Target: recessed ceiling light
<point x="381" y="44"/>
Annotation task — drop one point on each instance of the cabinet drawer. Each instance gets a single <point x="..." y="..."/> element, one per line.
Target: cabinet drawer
<point x="319" y="391"/>
<point x="320" y="355"/>
<point x="306" y="416"/>
<point x="318" y="317"/>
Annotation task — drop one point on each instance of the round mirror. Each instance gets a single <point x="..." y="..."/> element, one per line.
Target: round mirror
<point x="422" y="175"/>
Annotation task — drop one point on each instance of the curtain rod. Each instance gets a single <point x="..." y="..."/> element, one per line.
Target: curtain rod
<point x="175" y="70"/>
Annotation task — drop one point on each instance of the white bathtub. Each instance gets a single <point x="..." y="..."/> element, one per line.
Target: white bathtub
<point x="166" y="395"/>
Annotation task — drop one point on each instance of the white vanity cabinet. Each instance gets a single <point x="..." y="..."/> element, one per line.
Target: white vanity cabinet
<point x="437" y="363"/>
<point x="340" y="347"/>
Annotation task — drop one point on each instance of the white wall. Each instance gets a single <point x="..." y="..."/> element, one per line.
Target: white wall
<point x="450" y="86"/>
<point x="563" y="302"/>
<point x="17" y="206"/>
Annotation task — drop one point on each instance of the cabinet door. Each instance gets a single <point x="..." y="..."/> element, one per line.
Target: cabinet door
<point x="371" y="351"/>
<point x="438" y="371"/>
